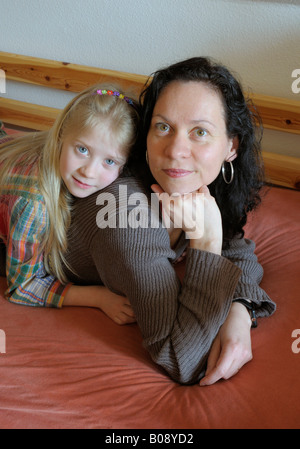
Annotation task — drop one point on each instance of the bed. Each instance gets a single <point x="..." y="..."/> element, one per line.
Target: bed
<point x="74" y="368"/>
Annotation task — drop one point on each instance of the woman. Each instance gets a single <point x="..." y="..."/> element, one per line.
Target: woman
<point x="195" y="123"/>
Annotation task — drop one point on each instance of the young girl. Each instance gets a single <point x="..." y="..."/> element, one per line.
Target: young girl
<point x="40" y="173"/>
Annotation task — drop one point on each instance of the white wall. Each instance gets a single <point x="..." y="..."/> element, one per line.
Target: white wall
<point x="259" y="40"/>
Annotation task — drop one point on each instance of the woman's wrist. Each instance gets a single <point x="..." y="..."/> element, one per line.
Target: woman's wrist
<point x="248" y="305"/>
<point x="211" y="246"/>
<point x="240" y="309"/>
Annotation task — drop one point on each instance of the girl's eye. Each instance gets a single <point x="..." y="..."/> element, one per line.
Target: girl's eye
<point x="200" y="132"/>
<point x="82" y="150"/>
<point x="109" y="162"/>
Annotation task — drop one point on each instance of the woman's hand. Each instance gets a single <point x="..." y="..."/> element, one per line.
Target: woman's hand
<point x="197" y="214"/>
<point x="212" y="238"/>
<point x="182" y="211"/>
<point x="116" y="307"/>
<point x="231" y="348"/>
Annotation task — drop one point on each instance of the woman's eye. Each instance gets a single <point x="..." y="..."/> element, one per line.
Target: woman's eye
<point x="109" y="162"/>
<point x="162" y="127"/>
<point x="201" y="132"/>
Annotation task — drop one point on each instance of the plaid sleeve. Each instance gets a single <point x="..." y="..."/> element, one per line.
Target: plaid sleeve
<point x="28" y="282"/>
<point x="3" y="135"/>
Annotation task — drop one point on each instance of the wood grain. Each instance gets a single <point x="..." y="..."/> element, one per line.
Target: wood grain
<point x="282" y="170"/>
<point x="27" y="115"/>
<point x="277" y="113"/>
<point x="64" y="75"/>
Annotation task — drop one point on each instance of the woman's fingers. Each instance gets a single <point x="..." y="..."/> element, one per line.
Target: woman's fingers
<point x="184" y="211"/>
<point x="231" y="348"/>
<point x="156" y="188"/>
<point x="227" y="366"/>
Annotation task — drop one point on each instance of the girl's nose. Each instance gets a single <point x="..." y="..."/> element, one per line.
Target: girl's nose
<point x="178" y="147"/>
<point x="89" y="170"/>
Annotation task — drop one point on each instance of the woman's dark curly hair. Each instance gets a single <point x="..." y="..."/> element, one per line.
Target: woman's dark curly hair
<point x="235" y="200"/>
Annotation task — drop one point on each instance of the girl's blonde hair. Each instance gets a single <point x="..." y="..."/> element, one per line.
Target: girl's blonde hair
<point x="41" y="151"/>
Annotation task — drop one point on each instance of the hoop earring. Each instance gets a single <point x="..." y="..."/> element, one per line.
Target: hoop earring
<point x="147" y="157"/>
<point x="231" y="173"/>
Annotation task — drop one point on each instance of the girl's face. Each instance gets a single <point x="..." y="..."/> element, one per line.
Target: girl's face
<point x="91" y="160"/>
<point x="187" y="140"/>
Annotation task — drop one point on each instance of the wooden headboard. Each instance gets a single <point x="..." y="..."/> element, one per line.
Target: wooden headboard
<point x="276" y="113"/>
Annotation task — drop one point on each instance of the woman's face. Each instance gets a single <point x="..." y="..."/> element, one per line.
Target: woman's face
<point x="187" y="140"/>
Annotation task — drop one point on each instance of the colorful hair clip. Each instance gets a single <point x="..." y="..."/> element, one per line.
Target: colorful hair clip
<point x="116" y="94"/>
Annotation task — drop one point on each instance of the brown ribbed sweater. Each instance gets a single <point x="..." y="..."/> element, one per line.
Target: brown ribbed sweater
<point x="178" y="322"/>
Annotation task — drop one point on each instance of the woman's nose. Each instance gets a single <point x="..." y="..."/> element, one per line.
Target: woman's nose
<point x="178" y="147"/>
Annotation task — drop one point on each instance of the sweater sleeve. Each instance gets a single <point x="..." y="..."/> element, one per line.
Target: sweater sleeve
<point x="178" y="322"/>
<point x="28" y="282"/>
<point x="241" y="253"/>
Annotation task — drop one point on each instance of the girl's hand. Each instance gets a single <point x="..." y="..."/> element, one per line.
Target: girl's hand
<point x="116" y="307"/>
<point x="231" y="348"/>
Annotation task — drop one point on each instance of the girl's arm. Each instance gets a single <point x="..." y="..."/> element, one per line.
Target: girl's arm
<point x="116" y="307"/>
<point x="28" y="282"/>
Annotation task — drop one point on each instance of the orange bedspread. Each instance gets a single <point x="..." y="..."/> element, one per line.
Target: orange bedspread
<point x="75" y="368"/>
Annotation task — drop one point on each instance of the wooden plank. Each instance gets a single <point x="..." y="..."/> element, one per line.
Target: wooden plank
<point x="27" y="115"/>
<point x="277" y="113"/>
<point x="282" y="170"/>
<point x="64" y="75"/>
